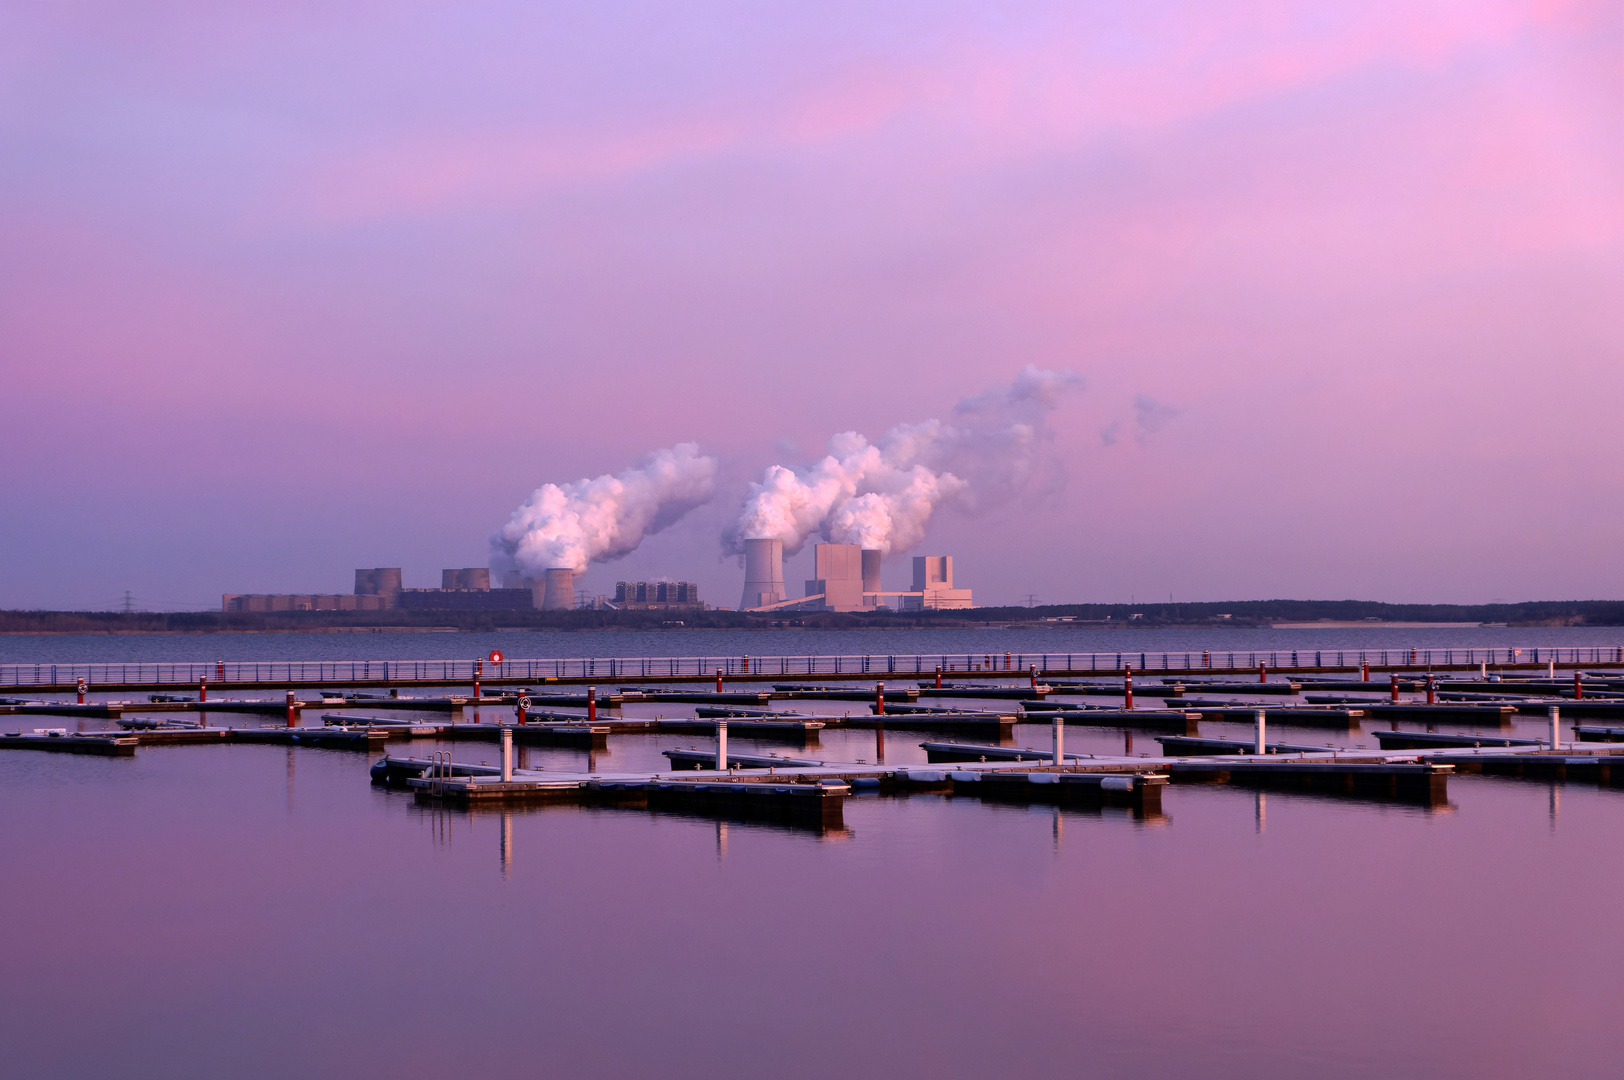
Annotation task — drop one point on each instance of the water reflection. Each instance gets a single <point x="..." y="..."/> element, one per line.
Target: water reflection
<point x="506" y="843"/>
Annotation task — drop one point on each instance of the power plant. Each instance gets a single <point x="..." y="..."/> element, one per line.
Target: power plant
<point x="846" y="577"/>
<point x="657" y="596"/>
<point x="380" y="589"/>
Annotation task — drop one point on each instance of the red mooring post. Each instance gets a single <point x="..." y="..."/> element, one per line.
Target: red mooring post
<point x="1432" y="688"/>
<point x="1007" y="661"/>
<point x="220" y="670"/>
<point x="1393" y="681"/>
<point x="718" y="680"/>
<point x="1262" y="673"/>
<point x="81" y="691"/>
<point x="1034" y="671"/>
<point x="938" y="676"/>
<point x="879" y="699"/>
<point x="521" y="709"/>
<point x="203" y="688"/>
<point x="1364" y="671"/>
<point x="293" y="711"/>
<point x="479" y="668"/>
<point x="592" y="704"/>
<point x="1127" y="687"/>
<point x="1578" y="687"/>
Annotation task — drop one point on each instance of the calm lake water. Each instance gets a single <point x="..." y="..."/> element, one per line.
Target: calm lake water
<point x="532" y="644"/>
<point x="254" y="911"/>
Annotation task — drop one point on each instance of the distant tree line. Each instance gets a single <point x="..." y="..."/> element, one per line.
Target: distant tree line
<point x="1127" y="616"/>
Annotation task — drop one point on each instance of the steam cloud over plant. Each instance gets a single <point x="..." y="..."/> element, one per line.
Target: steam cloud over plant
<point x="882" y="494"/>
<point x="572" y="525"/>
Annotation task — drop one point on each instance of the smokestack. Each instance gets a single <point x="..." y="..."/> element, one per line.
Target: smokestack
<point x="558" y="589"/>
<point x="763" y="573"/>
<point x="871" y="570"/>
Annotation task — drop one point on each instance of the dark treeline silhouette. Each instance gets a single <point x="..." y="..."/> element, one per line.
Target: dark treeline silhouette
<point x="1127" y="616"/>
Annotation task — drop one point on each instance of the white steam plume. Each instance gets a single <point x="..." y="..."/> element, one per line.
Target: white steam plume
<point x="881" y="495"/>
<point x="593" y="520"/>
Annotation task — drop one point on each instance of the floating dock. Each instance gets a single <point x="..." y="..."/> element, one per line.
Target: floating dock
<point x="952" y="751"/>
<point x="71" y="743"/>
<point x="1429" y="740"/>
<point x="1177" y="721"/>
<point x="1185" y="746"/>
<point x="1421" y="782"/>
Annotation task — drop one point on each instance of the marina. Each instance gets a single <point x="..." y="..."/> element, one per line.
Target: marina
<point x="1405" y="764"/>
<point x="619" y="797"/>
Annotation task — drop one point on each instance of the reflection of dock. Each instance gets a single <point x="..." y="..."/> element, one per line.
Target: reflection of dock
<point x="1420" y="782"/>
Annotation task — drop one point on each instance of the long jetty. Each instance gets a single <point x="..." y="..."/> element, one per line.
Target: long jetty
<point x="283" y="674"/>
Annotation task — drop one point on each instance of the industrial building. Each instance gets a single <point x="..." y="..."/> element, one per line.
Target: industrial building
<point x="379" y="589"/>
<point x="845" y="577"/>
<point x="265" y="602"/>
<point x="933" y="586"/>
<point x="657" y="596"/>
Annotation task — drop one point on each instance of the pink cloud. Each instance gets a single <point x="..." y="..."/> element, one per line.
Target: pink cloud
<point x="984" y="101"/>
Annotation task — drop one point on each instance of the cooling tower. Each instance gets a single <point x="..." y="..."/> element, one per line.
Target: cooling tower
<point x="382" y="581"/>
<point x="475" y="577"/>
<point x="871" y="569"/>
<point x="763" y="573"/>
<point x="559" y="589"/>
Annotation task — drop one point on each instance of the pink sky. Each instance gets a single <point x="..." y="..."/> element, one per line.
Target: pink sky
<point x="288" y="289"/>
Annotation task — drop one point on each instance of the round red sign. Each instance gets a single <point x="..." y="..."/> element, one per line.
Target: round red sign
<point x="496" y="656"/>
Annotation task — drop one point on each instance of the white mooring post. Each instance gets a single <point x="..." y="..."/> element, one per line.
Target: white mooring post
<point x="721" y="745"/>
<point x="507" y="754"/>
<point x="1260" y="732"/>
<point x="1556" y="721"/>
<point x="1059" y="741"/>
<point x="1550" y="669"/>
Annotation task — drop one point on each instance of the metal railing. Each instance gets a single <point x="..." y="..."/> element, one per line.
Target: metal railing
<point x="442" y="672"/>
